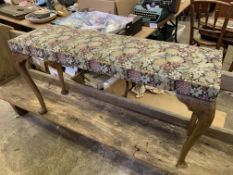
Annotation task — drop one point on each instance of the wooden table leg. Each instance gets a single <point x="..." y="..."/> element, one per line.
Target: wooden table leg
<point x="176" y="29"/>
<point x="126" y="88"/>
<point x="58" y="66"/>
<point x="193" y="123"/>
<point x="202" y="117"/>
<point x="231" y="67"/>
<point x="21" y="66"/>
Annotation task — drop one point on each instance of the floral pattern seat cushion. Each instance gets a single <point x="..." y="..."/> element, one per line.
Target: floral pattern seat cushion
<point x="185" y="69"/>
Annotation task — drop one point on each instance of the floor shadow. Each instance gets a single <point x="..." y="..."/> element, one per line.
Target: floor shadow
<point x="136" y="166"/>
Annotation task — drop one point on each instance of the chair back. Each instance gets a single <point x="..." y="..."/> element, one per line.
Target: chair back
<point x="204" y="16"/>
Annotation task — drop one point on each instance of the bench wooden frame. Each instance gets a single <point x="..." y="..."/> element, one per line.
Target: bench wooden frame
<point x="202" y="117"/>
<point x="203" y="112"/>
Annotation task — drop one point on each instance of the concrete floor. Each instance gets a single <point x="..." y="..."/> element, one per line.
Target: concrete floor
<point x="31" y="146"/>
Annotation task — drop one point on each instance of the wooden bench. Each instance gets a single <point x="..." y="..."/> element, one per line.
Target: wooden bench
<point x="192" y="73"/>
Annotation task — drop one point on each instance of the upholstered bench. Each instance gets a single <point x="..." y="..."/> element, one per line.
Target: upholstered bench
<point x="193" y="73"/>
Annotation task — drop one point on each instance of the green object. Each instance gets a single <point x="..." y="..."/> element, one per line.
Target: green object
<point x="153" y="14"/>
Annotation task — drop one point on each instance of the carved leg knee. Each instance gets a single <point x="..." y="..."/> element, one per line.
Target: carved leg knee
<point x="203" y="123"/>
<point x="24" y="73"/>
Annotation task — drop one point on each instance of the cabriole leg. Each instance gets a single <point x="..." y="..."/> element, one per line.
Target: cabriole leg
<point x="202" y="117"/>
<point x="64" y="91"/>
<point x="21" y="66"/>
<point x="192" y="124"/>
<point x="203" y="123"/>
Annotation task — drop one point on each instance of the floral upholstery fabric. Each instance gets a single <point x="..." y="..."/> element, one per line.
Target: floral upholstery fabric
<point x="187" y="70"/>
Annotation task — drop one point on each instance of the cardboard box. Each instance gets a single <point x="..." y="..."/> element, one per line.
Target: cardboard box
<point x="119" y="7"/>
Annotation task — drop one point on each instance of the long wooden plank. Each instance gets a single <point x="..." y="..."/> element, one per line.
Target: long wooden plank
<point x="22" y="22"/>
<point x="7" y="68"/>
<point x="154" y="112"/>
<point x="145" y="32"/>
<point x="227" y="81"/>
<point x="117" y="101"/>
<point x="138" y="136"/>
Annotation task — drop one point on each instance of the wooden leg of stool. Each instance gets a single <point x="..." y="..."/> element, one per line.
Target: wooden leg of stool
<point x="193" y="123"/>
<point x="58" y="66"/>
<point x="24" y="73"/>
<point x="203" y="115"/>
<point x="126" y="88"/>
<point x="231" y="67"/>
<point x="204" y="121"/>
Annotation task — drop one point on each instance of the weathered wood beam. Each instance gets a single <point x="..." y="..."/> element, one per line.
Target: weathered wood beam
<point x="227" y="81"/>
<point x="7" y="68"/>
<point x="146" y="140"/>
<point x="151" y="112"/>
